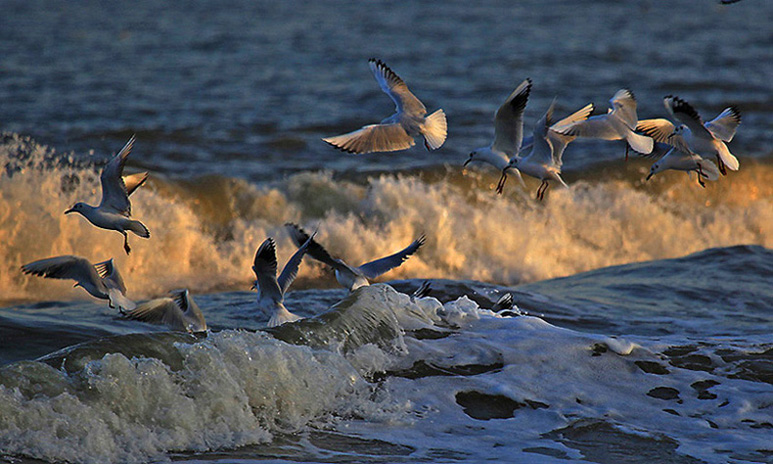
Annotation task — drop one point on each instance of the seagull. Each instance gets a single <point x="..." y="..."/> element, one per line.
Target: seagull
<point x="397" y="131"/>
<point x="508" y="131"/>
<point x="271" y="290"/>
<point x="618" y="124"/>
<point x="179" y="312"/>
<point x="101" y="280"/>
<point x="706" y="139"/>
<point x="679" y="160"/>
<point x="350" y="277"/>
<point x="545" y="159"/>
<point x="114" y="211"/>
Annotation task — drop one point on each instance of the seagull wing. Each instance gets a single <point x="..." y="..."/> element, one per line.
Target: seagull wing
<point x="159" y="311"/>
<point x="265" y="270"/>
<point x="65" y="267"/>
<point x="623" y="105"/>
<point x="396" y="88"/>
<point x="659" y="129"/>
<point x="508" y="121"/>
<point x="559" y="141"/>
<point x="290" y="270"/>
<point x="375" y="268"/>
<point x="109" y="274"/>
<point x="724" y="126"/>
<point x="687" y="115"/>
<point x="542" y="151"/>
<point x="114" y="193"/>
<point x="314" y="249"/>
<point x="597" y="127"/>
<point x="193" y="318"/>
<point x="134" y="181"/>
<point x="373" y="138"/>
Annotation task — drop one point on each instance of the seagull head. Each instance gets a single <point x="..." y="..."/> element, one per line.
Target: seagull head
<point x="76" y="208"/>
<point x="654" y="170"/>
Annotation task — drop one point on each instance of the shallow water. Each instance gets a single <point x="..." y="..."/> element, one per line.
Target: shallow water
<point x="644" y="333"/>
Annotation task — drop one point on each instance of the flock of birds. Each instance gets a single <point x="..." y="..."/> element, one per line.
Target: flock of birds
<point x="691" y="145"/>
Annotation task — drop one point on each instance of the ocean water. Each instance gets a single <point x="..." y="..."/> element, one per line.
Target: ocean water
<point x="644" y="309"/>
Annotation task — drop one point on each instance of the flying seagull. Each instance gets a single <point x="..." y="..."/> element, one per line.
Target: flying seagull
<point x="397" y="131"/>
<point x="114" y="211"/>
<point x="353" y="277"/>
<point x="179" y="312"/>
<point x="618" y="124"/>
<point x="271" y="290"/>
<point x="101" y="280"/>
<point x="706" y="139"/>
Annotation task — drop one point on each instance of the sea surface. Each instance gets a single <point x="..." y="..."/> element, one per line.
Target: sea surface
<point x="644" y="309"/>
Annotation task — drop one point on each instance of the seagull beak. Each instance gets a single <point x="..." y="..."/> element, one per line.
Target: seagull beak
<point x="71" y="210"/>
<point x="648" y="176"/>
<point x="254" y="286"/>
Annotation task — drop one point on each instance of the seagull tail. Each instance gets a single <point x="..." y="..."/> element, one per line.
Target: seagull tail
<point x="708" y="169"/>
<point x="435" y="129"/>
<point x="139" y="228"/>
<point x="640" y="143"/>
<point x="728" y="158"/>
<point x="282" y="315"/>
<point x="118" y="300"/>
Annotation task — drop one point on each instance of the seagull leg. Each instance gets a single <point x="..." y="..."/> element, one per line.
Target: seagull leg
<point x="721" y="166"/>
<point x="126" y="242"/>
<point x="541" y="190"/>
<point x="700" y="174"/>
<point x="626" y="151"/>
<point x="501" y="184"/>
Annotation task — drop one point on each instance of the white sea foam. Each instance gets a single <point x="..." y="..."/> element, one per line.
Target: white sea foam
<point x="520" y="384"/>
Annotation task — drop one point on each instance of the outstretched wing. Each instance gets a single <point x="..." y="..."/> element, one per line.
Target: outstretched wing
<point x="687" y="115"/>
<point x="375" y="268"/>
<point x="315" y="250"/>
<point x="290" y="270"/>
<point x="508" y="122"/>
<point x="114" y="193"/>
<point x="134" y="181"/>
<point x="623" y="105"/>
<point x="159" y="311"/>
<point x="109" y="274"/>
<point x="397" y="90"/>
<point x="265" y="270"/>
<point x="64" y="267"/>
<point x="373" y="138"/>
<point x="724" y="126"/>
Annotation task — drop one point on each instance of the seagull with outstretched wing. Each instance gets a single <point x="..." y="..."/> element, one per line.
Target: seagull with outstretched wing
<point x="397" y="131"/>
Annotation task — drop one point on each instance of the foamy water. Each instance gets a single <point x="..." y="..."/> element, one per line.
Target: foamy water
<point x="520" y="388"/>
<point x="204" y="232"/>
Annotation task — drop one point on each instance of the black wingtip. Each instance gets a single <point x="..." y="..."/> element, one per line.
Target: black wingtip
<point x="736" y="113"/>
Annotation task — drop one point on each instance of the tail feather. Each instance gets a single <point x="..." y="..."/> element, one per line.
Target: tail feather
<point x="118" y="300"/>
<point x="640" y="143"/>
<point x="435" y="129"/>
<point x="709" y="170"/>
<point x="728" y="158"/>
<point x="139" y="228"/>
<point x="282" y="315"/>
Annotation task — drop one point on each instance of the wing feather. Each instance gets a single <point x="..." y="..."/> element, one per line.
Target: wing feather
<point x="375" y="268"/>
<point x="508" y="121"/>
<point x="396" y="88"/>
<point x="114" y="193"/>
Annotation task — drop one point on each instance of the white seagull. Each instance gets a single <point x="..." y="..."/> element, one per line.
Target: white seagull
<point x="271" y="290"/>
<point x="350" y="277"/>
<point x="508" y="132"/>
<point x="545" y="158"/>
<point x="114" y="211"/>
<point x="179" y="312"/>
<point x="618" y="124"/>
<point x="397" y="131"/>
<point x="706" y="139"/>
<point x="680" y="160"/>
<point x="101" y="280"/>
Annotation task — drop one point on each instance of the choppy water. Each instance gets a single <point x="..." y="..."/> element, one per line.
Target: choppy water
<point x="649" y="304"/>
